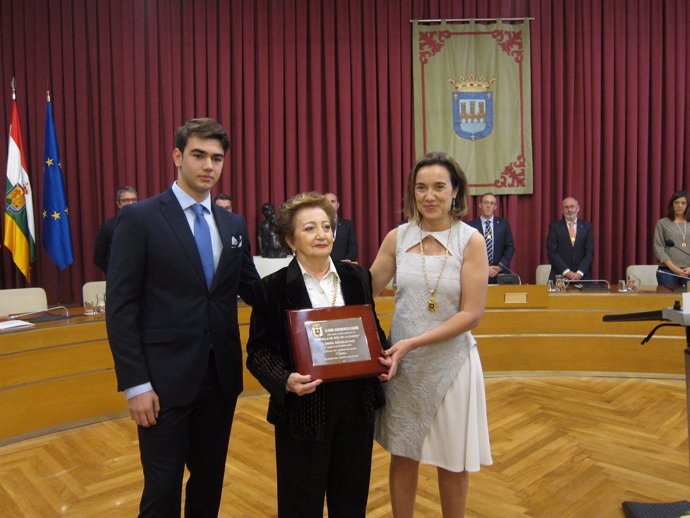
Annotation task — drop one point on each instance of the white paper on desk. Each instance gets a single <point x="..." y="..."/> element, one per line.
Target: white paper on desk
<point x="10" y="324"/>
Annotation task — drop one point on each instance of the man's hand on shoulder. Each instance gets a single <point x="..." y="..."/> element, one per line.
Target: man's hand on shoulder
<point x="144" y="408"/>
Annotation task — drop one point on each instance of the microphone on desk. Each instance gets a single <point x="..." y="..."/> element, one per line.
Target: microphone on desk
<point x="504" y="267"/>
<point x="30" y="313"/>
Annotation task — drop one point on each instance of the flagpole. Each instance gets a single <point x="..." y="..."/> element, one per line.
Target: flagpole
<point x="13" y="85"/>
<point x="15" y="267"/>
<point x="57" y="269"/>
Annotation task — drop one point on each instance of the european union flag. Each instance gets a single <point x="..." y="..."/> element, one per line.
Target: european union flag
<point x="57" y="238"/>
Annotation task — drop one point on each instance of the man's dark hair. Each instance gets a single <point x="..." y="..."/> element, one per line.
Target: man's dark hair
<point x="222" y="196"/>
<point x="201" y="128"/>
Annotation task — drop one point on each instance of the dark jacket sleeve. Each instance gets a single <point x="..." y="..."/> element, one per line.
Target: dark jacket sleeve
<point x="351" y="243"/>
<point x="123" y="292"/>
<point x="101" y="252"/>
<point x="508" y="245"/>
<point x="585" y="263"/>
<point x="267" y="348"/>
<point x="558" y="264"/>
<point x="249" y="276"/>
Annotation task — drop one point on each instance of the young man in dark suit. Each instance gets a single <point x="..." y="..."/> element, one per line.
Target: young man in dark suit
<point x="177" y="264"/>
<point x="345" y="244"/>
<point x="500" y="246"/>
<point x="570" y="244"/>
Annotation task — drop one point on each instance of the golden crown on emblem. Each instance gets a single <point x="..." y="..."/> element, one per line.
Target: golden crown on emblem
<point x="472" y="83"/>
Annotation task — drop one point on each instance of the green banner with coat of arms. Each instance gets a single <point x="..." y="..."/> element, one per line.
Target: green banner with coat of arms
<point x="473" y="100"/>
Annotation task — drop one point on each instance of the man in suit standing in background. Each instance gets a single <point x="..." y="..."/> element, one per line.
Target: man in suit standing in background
<point x="570" y="244"/>
<point x="125" y="195"/>
<point x="500" y="246"/>
<point x="345" y="244"/>
<point x="177" y="264"/>
<point x="224" y="201"/>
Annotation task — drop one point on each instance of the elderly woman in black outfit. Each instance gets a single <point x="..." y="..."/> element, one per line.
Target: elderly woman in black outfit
<point x="323" y="431"/>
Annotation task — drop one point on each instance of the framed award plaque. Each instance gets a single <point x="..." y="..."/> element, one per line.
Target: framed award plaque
<point x="336" y="343"/>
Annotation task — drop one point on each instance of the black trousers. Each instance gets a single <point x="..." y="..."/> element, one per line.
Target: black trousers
<point x="195" y="436"/>
<point x="339" y="467"/>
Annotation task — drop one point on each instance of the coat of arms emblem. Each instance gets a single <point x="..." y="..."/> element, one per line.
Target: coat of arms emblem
<point x="473" y="107"/>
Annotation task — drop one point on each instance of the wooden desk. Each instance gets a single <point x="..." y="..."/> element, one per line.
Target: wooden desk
<point x="59" y="374"/>
<point x="56" y="373"/>
<point x="567" y="335"/>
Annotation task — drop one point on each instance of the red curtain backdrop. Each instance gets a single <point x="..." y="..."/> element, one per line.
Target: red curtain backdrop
<point x="317" y="95"/>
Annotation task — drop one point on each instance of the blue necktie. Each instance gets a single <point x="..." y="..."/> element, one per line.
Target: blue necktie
<point x="202" y="236"/>
<point x="489" y="241"/>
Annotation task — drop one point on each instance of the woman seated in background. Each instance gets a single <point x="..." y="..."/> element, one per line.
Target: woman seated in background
<point x="323" y="432"/>
<point x="671" y="243"/>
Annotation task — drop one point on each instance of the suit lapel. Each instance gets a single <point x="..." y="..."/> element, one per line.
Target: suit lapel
<point x="225" y="230"/>
<point x="498" y="238"/>
<point x="352" y="291"/>
<point x="338" y="228"/>
<point x="179" y="225"/>
<point x="296" y="294"/>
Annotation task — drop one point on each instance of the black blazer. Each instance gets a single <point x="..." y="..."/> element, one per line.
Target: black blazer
<point x="104" y="238"/>
<point x="504" y="246"/>
<point x="269" y="357"/>
<point x="161" y="318"/>
<point x="345" y="244"/>
<point x="563" y="254"/>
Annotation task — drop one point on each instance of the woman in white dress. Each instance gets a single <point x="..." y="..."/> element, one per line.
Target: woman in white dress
<point x="436" y="407"/>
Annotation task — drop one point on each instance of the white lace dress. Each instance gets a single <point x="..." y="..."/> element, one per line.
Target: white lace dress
<point x="435" y="405"/>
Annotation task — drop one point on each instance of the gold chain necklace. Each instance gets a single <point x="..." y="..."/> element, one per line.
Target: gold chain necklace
<point x="335" y="289"/>
<point x="682" y="234"/>
<point x="431" y="303"/>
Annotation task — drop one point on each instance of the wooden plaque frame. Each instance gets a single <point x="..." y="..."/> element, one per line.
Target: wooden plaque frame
<point x="334" y="371"/>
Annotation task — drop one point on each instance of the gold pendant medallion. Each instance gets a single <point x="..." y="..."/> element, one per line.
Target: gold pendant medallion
<point x="431" y="305"/>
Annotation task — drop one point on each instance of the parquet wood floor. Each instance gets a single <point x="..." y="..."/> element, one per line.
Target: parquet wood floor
<point x="562" y="447"/>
